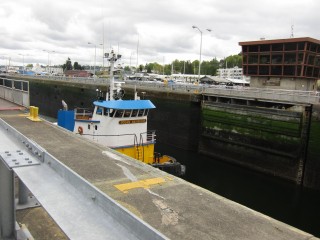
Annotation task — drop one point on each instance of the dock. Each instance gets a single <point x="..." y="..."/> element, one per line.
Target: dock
<point x="168" y="206"/>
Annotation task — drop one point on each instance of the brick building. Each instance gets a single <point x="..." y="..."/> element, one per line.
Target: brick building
<point x="292" y="63"/>
<point x="77" y="73"/>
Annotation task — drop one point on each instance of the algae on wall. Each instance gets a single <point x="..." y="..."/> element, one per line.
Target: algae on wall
<point x="266" y="139"/>
<point x="275" y="128"/>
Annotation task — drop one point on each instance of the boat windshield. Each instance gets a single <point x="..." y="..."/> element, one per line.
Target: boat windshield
<point x="121" y="113"/>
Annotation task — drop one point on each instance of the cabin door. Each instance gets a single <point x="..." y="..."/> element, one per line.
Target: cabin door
<point x="95" y="131"/>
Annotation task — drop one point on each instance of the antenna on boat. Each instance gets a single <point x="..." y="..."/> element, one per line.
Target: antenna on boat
<point x="112" y="58"/>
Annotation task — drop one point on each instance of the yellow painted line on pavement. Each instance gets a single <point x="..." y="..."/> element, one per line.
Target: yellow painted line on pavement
<point x="125" y="187"/>
<point x="14" y="115"/>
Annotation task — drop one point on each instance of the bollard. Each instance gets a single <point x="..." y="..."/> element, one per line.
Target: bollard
<point x="33" y="116"/>
<point x="31" y="111"/>
<point x="35" y="112"/>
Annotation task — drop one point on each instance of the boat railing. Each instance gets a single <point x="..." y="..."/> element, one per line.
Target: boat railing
<point x="82" y="113"/>
<point x="151" y="136"/>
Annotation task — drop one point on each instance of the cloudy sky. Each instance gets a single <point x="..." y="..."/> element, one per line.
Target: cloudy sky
<point x="159" y="30"/>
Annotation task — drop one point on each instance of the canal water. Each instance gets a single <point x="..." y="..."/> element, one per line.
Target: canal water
<point x="277" y="198"/>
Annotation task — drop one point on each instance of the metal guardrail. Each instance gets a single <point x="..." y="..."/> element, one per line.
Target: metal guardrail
<point x="16" y="91"/>
<point x="294" y="96"/>
<point x="80" y="209"/>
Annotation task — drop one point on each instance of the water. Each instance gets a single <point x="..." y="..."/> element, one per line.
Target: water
<point x="277" y="198"/>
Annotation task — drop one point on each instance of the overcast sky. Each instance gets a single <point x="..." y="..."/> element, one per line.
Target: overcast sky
<point x="161" y="30"/>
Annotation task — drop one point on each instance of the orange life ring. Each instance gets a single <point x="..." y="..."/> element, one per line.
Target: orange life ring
<point x="80" y="130"/>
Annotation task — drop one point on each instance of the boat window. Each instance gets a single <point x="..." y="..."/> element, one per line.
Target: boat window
<point x="99" y="110"/>
<point x="118" y="114"/>
<point x="134" y="113"/>
<point x="146" y="112"/>
<point x="112" y="111"/>
<point x="89" y="126"/>
<point x="127" y="113"/>
<point x="140" y="113"/>
<point x="106" y="111"/>
<point x="95" y="127"/>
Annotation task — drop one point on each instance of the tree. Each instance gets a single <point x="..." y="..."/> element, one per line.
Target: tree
<point x="231" y="61"/>
<point x="67" y="65"/>
<point x="77" y="66"/>
<point x="30" y="65"/>
<point x="188" y="67"/>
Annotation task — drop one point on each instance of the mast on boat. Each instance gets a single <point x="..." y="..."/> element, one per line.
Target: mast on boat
<point x="112" y="58"/>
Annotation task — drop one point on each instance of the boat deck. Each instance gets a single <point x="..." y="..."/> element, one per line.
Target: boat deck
<point x="176" y="208"/>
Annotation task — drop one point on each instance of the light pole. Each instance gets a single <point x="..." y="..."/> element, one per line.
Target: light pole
<point x="48" y="58"/>
<point x="95" y="57"/>
<point x="22" y="63"/>
<point x="209" y="30"/>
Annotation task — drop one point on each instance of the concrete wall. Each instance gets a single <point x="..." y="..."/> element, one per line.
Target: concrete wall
<point x="284" y="83"/>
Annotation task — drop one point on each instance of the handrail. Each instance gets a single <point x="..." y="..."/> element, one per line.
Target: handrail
<point x="299" y="96"/>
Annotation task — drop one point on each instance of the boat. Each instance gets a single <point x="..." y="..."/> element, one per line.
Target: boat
<point x="120" y="124"/>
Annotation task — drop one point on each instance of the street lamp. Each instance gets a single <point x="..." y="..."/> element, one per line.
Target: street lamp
<point x="95" y="56"/>
<point x="22" y="63"/>
<point x="209" y="30"/>
<point x="48" y="58"/>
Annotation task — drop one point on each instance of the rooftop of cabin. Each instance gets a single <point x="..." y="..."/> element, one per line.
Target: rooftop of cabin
<point x="125" y="104"/>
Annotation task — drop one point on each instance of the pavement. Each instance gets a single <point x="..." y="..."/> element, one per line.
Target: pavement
<point x="173" y="206"/>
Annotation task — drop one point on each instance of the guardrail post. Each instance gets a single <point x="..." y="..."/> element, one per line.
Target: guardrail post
<point x="23" y="193"/>
<point x="7" y="206"/>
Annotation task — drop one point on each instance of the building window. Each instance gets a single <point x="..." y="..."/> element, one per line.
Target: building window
<point x="264" y="70"/>
<point x="244" y="59"/>
<point x="265" y="48"/>
<point x="311" y="59"/>
<point x="277" y="47"/>
<point x="313" y="47"/>
<point x="317" y="61"/>
<point x="252" y="70"/>
<point x="253" y="59"/>
<point x="308" y="71"/>
<point x="264" y="58"/>
<point x="290" y="46"/>
<point x="253" y="48"/>
<point x="276" y="70"/>
<point x="276" y="58"/>
<point x="300" y="58"/>
<point x="299" y="73"/>
<point x="289" y="70"/>
<point x="289" y="58"/>
<point x="301" y="46"/>
<point x="316" y="72"/>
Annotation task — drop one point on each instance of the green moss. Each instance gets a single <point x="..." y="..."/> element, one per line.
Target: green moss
<point x="246" y="123"/>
